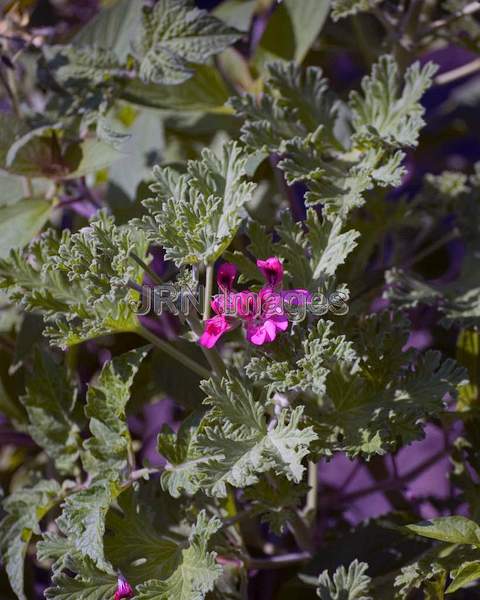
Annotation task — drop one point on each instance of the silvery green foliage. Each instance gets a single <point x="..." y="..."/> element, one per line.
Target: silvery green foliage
<point x="129" y="46"/>
<point x="85" y="580"/>
<point x="78" y="282"/>
<point x="362" y="391"/>
<point x="346" y="584"/>
<point x="24" y="510"/>
<point x="241" y="444"/>
<point x="183" y="458"/>
<point x="311" y="255"/>
<point x="109" y="447"/>
<point x="297" y="116"/>
<point x="196" y="572"/>
<point x="329" y="385"/>
<point x="321" y="351"/>
<point x="50" y="402"/>
<point x="176" y="36"/>
<point x="195" y="215"/>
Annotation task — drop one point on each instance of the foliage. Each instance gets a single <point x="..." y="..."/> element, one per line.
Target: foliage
<point x="155" y="143"/>
<point x="351" y="584"/>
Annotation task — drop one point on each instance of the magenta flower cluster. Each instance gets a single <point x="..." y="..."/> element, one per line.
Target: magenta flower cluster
<point x="261" y="314"/>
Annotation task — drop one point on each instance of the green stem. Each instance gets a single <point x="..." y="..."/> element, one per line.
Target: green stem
<point x="208" y="291"/>
<point x="174" y="353"/>
<point x="212" y="355"/>
<point x="155" y="278"/>
<point x="311" y="505"/>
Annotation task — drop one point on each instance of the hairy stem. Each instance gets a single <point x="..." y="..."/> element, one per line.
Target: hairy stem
<point x="208" y="291"/>
<point x="278" y="562"/>
<point x="468" y="69"/>
<point x="310" y="510"/>
<point x="153" y="276"/>
<point x="212" y="355"/>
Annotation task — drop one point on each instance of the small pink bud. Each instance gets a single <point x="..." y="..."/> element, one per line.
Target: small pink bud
<point x="272" y="270"/>
<point x="124" y="589"/>
<point x="226" y="276"/>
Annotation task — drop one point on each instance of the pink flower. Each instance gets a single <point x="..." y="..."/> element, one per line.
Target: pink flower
<point x="262" y="313"/>
<point x="226" y="276"/>
<point x="267" y="319"/>
<point x="214" y="329"/>
<point x="272" y="270"/>
<point x="124" y="589"/>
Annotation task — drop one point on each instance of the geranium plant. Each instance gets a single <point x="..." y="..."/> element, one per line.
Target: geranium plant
<point x="239" y="246"/>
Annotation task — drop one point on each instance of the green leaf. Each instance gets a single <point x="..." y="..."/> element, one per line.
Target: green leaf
<point x="312" y="257"/>
<point x="329" y="247"/>
<point x="196" y="571"/>
<point x="12" y="129"/>
<point x="351" y="584"/>
<point x="431" y="569"/>
<point x="12" y="188"/>
<point x="296" y="102"/>
<point x="115" y="26"/>
<point x="204" y="91"/>
<point x="22" y="221"/>
<point x="236" y="13"/>
<point x="311" y="250"/>
<point x="38" y="153"/>
<point x="87" y="581"/>
<point x="24" y="510"/>
<point x="195" y="216"/>
<point x="241" y="445"/>
<point x="455" y="530"/>
<point x="149" y="540"/>
<point x="83" y="519"/>
<point x="320" y="351"/>
<point x="292" y="29"/>
<point x="180" y="475"/>
<point x="109" y="446"/>
<point x="464" y="575"/>
<point x="277" y="500"/>
<point x="90" y="66"/>
<point x="373" y="398"/>
<point x="145" y="141"/>
<point x="90" y="156"/>
<point x="56" y="549"/>
<point x="175" y="36"/>
<point x="78" y="282"/>
<point x="297" y="116"/>
<point x="50" y="401"/>
<point x="145" y="534"/>
<point x="388" y="112"/>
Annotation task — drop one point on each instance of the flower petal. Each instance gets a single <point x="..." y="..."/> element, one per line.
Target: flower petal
<point x="272" y="270"/>
<point x="256" y="334"/>
<point x="214" y="329"/>
<point x="226" y="276"/>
